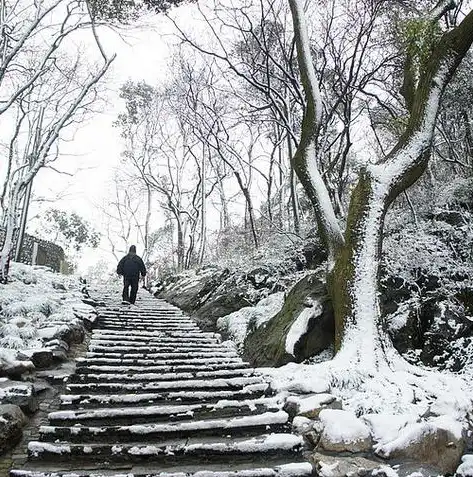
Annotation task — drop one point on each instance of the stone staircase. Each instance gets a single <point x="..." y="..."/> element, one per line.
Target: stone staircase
<point x="157" y="397"/>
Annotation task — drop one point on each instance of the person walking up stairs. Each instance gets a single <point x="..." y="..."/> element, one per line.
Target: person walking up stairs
<point x="131" y="266"/>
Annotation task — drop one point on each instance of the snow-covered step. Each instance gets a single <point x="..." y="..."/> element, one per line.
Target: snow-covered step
<point x="293" y="469"/>
<point x="166" y="368"/>
<point x="154" y="349"/>
<point x="162" y="413"/>
<point x="147" y="326"/>
<point x="148" y="321"/>
<point x="191" y="384"/>
<point x="159" y="320"/>
<point x="166" y="355"/>
<point x="159" y="377"/>
<point x="102" y="361"/>
<point x="174" y="342"/>
<point x="90" y="400"/>
<point x="158" y="317"/>
<point x="157" y="432"/>
<point x="138" y="333"/>
<point x="192" y="450"/>
<point x="150" y="336"/>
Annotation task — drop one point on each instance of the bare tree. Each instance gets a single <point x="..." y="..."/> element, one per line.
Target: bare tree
<point x="47" y="108"/>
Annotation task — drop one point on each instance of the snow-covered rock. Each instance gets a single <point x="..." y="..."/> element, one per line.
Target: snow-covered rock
<point x="465" y="469"/>
<point x="343" y="432"/>
<point x="237" y="324"/>
<point x="438" y="442"/>
<point x="21" y="394"/>
<point x="12" y="421"/>
<point x="311" y="406"/>
<point x="41" y="358"/>
<point x="387" y="427"/>
<point x="301" y="424"/>
<point x="342" y="466"/>
<point x="294" y="378"/>
<point x="304" y="327"/>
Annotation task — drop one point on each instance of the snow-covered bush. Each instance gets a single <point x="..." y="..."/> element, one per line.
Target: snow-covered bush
<point x="34" y="298"/>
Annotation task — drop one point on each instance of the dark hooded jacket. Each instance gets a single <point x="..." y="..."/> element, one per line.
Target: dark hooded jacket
<point x="131" y="265"/>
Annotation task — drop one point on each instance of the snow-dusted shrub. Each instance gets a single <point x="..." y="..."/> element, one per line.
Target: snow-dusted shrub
<point x="425" y="249"/>
<point x="37" y="318"/>
<point x="33" y="298"/>
<point x="9" y="329"/>
<point x="455" y="193"/>
<point x="28" y="332"/>
<point x="12" y="342"/>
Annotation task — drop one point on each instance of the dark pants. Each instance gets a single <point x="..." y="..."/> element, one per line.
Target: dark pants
<point x="130" y="295"/>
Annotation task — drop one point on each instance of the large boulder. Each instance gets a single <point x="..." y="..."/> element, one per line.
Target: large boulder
<point x="191" y="289"/>
<point x="303" y="327"/>
<point x="12" y="421"/>
<point x="233" y="294"/>
<point x="439" y="443"/>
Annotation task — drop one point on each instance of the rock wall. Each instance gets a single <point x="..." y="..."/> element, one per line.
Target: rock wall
<point x="46" y="253"/>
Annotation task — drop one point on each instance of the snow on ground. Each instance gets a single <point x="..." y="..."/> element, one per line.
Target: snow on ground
<point x="237" y="324"/>
<point x="34" y="305"/>
<point x="399" y="406"/>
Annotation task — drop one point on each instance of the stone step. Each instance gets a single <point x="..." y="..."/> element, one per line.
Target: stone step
<point x="233" y="469"/>
<point x="151" y="336"/>
<point x="148" y="362"/>
<point x="167" y="355"/>
<point x="158" y="377"/>
<point x="162" y="413"/>
<point x="131" y="327"/>
<point x="153" y="333"/>
<point x="150" y="320"/>
<point x="142" y="309"/>
<point x="192" y="384"/>
<point x="157" y="432"/>
<point x="193" y="450"/>
<point x="160" y="320"/>
<point x="125" y="321"/>
<point x="165" y="368"/>
<point x="169" y="342"/>
<point x="145" y="327"/>
<point x="80" y="400"/>
<point x="154" y="349"/>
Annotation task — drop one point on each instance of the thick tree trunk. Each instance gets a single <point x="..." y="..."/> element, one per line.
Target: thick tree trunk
<point x="353" y="281"/>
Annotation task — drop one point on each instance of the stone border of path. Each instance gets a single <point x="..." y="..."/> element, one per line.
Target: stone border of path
<point x="27" y="400"/>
